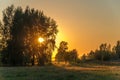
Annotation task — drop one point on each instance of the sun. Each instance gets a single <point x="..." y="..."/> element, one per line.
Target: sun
<point x="40" y="40"/>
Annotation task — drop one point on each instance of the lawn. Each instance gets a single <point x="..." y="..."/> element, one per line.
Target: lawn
<point x="62" y="72"/>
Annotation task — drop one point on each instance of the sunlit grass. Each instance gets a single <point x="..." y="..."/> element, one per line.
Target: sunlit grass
<point x="57" y="72"/>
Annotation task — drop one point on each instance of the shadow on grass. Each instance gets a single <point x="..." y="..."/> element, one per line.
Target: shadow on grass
<point x="53" y="72"/>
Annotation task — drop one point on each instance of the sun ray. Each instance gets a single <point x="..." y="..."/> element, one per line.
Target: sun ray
<point x="40" y="40"/>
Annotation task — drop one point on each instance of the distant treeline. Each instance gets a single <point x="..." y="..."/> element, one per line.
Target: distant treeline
<point x="104" y="53"/>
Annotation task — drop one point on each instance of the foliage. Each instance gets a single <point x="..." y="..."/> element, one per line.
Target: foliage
<point x="91" y="55"/>
<point x="83" y="58"/>
<point x="103" y="54"/>
<point x="62" y="51"/>
<point x="21" y="30"/>
<point x="71" y="56"/>
<point x="117" y="48"/>
<point x="64" y="55"/>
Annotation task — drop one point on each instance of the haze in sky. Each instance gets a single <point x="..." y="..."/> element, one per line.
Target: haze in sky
<point x="84" y="24"/>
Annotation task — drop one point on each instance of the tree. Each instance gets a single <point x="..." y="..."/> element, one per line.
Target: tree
<point x="83" y="57"/>
<point x="62" y="50"/>
<point x="5" y="32"/>
<point x="114" y="55"/>
<point x="117" y="48"/>
<point x="64" y="55"/>
<point x="91" y="55"/>
<point x="103" y="53"/>
<point x="22" y="29"/>
<point x="1" y="43"/>
<point x="71" y="56"/>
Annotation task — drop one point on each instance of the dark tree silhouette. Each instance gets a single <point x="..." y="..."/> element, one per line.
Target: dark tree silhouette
<point x="71" y="56"/>
<point x="64" y="55"/>
<point x="114" y="55"/>
<point x="21" y="30"/>
<point x="103" y="53"/>
<point x="1" y="43"/>
<point x="91" y="55"/>
<point x="62" y="50"/>
<point x="83" y="57"/>
<point x="117" y="48"/>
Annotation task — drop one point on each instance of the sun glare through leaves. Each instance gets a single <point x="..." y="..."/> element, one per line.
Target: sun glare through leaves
<point x="40" y="40"/>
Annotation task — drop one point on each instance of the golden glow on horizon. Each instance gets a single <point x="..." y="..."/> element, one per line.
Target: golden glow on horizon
<point x="40" y="40"/>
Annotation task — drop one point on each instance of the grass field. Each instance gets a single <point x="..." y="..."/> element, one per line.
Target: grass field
<point x="61" y="72"/>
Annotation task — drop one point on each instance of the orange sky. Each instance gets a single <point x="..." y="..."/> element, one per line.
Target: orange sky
<point x="84" y="24"/>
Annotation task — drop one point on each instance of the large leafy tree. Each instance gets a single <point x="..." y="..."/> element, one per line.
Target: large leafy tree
<point x="22" y="29"/>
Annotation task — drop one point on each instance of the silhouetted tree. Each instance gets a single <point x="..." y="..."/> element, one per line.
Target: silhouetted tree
<point x="1" y="43"/>
<point x="71" y="56"/>
<point x="64" y="55"/>
<point x="91" y="55"/>
<point x="62" y="51"/>
<point x="117" y="48"/>
<point x="103" y="53"/>
<point x="114" y="55"/>
<point x="5" y="31"/>
<point x="83" y="57"/>
<point x="21" y="30"/>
